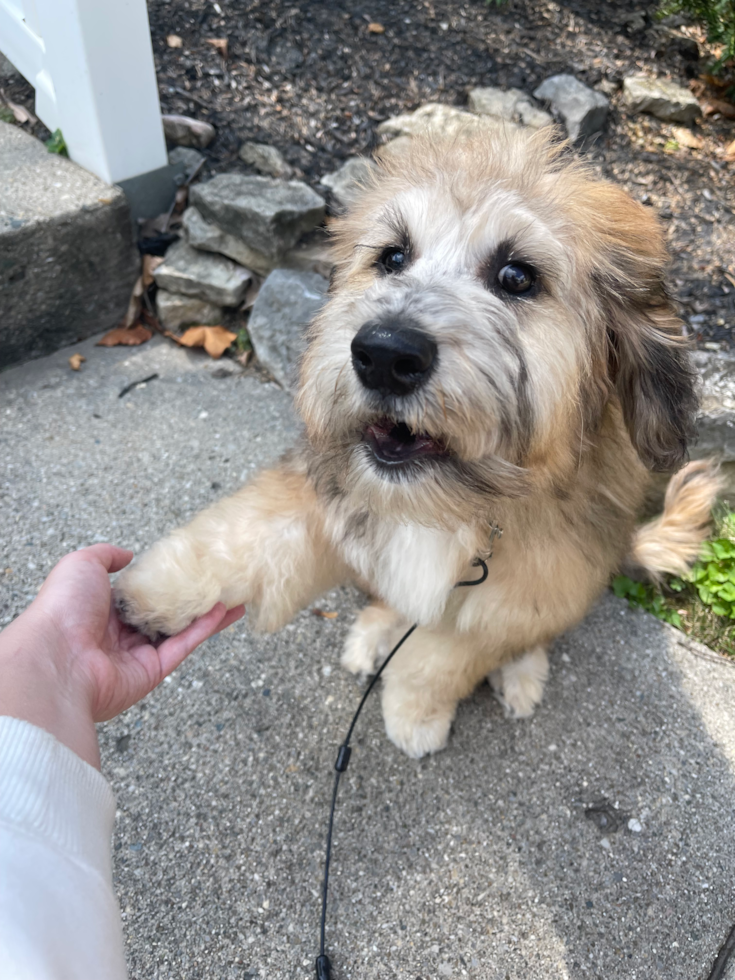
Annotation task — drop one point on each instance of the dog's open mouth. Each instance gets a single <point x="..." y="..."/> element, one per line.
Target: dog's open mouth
<point x="394" y="444"/>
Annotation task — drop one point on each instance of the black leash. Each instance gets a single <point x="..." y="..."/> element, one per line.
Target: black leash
<point x="323" y="963"/>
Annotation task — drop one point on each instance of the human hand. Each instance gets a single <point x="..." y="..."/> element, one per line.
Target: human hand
<point x="69" y="661"/>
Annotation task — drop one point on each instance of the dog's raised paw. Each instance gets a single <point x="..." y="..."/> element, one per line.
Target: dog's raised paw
<point x="519" y="685"/>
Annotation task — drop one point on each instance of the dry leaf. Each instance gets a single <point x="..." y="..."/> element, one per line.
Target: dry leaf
<point x="685" y="137"/>
<point x="730" y="149"/>
<point x="726" y="109"/>
<point x="376" y="28"/>
<point x="324" y="613"/>
<point x="136" y="301"/>
<point x="244" y="359"/>
<point x="150" y="264"/>
<point x="21" y="114"/>
<point x="174" y="41"/>
<point x="125" y="336"/>
<point x="220" y="43"/>
<point x="215" y="340"/>
<point x="76" y="361"/>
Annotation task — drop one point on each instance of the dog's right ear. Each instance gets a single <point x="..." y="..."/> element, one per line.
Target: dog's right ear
<point x="648" y="361"/>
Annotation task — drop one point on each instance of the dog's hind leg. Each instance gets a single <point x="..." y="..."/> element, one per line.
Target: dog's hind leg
<point x="519" y="685"/>
<point x="373" y="634"/>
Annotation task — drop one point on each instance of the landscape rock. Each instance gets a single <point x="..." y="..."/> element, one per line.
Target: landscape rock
<point x="209" y="237"/>
<point x="209" y="277"/>
<point x="346" y="183"/>
<point x="310" y="254"/>
<point x="185" y="131"/>
<point x="661" y="98"/>
<point x="441" y="120"/>
<point x="67" y="257"/>
<point x="176" y="310"/>
<point x="187" y="156"/>
<point x="287" y="302"/>
<point x="583" y="110"/>
<point x="513" y="105"/>
<point x="265" y="159"/>
<point x="268" y="215"/>
<point x="716" y="421"/>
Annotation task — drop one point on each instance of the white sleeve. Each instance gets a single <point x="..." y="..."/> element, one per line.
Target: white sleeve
<point x="59" y="919"/>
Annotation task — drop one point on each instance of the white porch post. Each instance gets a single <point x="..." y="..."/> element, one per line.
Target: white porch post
<point x="91" y="62"/>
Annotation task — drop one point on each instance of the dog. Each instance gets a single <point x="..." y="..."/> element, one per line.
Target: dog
<point x="498" y="351"/>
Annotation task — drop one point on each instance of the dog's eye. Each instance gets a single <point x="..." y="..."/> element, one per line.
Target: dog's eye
<point x="516" y="278"/>
<point x="393" y="260"/>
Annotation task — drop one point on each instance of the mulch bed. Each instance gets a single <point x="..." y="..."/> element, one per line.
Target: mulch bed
<point x="315" y="81"/>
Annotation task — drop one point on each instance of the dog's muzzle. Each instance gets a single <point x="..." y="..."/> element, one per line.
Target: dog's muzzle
<point x="392" y="359"/>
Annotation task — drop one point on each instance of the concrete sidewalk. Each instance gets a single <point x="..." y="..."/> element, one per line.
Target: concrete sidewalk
<point x="484" y="861"/>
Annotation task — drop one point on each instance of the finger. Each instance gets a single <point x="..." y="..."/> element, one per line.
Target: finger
<point x="109" y="555"/>
<point x="232" y="616"/>
<point x="177" y="648"/>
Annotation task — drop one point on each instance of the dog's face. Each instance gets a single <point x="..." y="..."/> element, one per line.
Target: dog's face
<point x="488" y="301"/>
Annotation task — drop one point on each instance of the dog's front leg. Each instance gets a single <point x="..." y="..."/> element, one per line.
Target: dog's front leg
<point x="264" y="546"/>
<point x="422" y="686"/>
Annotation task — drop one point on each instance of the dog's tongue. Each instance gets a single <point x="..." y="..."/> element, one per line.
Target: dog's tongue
<point x="393" y="442"/>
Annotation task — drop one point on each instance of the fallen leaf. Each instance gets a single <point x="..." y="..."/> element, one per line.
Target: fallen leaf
<point x="685" y="137"/>
<point x="375" y="28"/>
<point x="324" y="613"/>
<point x="76" y="361"/>
<point x="150" y="264"/>
<point x="215" y="340"/>
<point x="125" y="336"/>
<point x="174" y="41"/>
<point x="21" y="114"/>
<point x="726" y="109"/>
<point x="730" y="149"/>
<point x="244" y="359"/>
<point x="220" y="43"/>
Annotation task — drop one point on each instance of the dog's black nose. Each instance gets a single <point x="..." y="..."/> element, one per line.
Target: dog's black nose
<point x="392" y="359"/>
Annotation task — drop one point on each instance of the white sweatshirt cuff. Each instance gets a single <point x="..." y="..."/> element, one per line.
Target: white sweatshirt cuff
<point x="48" y="792"/>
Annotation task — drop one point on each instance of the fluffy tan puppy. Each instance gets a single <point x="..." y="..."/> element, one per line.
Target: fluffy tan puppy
<point x="498" y="349"/>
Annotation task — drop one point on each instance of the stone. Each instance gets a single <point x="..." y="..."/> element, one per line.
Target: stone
<point x="513" y="105"/>
<point x="176" y="310"/>
<point x="346" y="182"/>
<point x="583" y="110"/>
<point x="716" y="421"/>
<point x="287" y="302"/>
<point x="661" y="98"/>
<point x="67" y="258"/>
<point x="311" y="253"/>
<point x="185" y="131"/>
<point x="265" y="159"/>
<point x="268" y="215"/>
<point x="209" y="277"/>
<point x="187" y="157"/>
<point x="209" y="237"/>
<point x="441" y="120"/>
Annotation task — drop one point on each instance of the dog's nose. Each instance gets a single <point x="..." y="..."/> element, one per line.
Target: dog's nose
<point x="392" y="359"/>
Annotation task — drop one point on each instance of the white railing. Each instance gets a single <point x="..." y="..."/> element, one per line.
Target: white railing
<point x="91" y="64"/>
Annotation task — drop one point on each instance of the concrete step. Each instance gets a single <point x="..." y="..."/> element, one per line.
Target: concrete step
<point x="67" y="258"/>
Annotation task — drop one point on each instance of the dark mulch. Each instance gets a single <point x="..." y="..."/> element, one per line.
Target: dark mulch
<point x="315" y="82"/>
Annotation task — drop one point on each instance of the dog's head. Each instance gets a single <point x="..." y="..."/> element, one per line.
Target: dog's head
<point x="490" y="300"/>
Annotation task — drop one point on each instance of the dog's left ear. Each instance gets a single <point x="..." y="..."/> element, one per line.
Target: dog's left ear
<point x="648" y="362"/>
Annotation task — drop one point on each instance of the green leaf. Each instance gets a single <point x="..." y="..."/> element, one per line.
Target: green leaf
<point x="56" y="144"/>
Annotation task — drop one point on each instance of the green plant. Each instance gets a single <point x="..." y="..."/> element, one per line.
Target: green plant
<point x="718" y="19"/>
<point x="243" y="343"/>
<point x="56" y="144"/>
<point x="713" y="576"/>
<point x="642" y="596"/>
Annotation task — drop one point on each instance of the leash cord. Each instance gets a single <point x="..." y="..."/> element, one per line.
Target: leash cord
<point x="323" y="963"/>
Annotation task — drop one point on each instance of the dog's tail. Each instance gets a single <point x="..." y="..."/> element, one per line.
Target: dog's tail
<point x="671" y="542"/>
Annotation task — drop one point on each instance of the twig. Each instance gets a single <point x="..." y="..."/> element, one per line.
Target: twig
<point x="134" y="384"/>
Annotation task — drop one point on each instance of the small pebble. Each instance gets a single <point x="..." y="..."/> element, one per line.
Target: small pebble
<point x="634" y="826"/>
<point x="605" y="843"/>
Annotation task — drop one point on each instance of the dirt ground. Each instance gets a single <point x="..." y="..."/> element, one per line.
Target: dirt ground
<point x="315" y="81"/>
